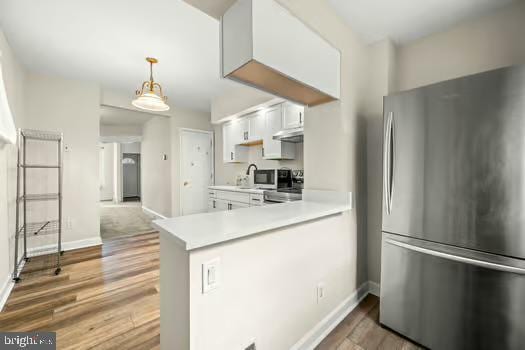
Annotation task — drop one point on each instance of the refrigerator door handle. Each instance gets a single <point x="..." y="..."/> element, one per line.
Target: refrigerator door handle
<point x="458" y="258"/>
<point x="388" y="162"/>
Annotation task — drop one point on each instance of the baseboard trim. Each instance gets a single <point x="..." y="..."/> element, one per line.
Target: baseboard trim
<point x="7" y="287"/>
<point x="152" y="212"/>
<point x="316" y="335"/>
<point x="373" y="288"/>
<point x="51" y="248"/>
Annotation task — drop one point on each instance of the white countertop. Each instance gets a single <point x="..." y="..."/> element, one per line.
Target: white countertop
<point x="201" y="230"/>
<point x="236" y="189"/>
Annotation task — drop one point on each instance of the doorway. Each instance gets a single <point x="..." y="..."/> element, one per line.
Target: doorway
<point x="196" y="169"/>
<point x="131" y="177"/>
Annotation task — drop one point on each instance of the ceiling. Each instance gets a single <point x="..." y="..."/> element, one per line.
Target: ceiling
<point x="107" y="42"/>
<point x="119" y="116"/>
<point x="406" y="20"/>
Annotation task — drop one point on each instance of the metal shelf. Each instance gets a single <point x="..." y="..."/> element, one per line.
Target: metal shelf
<point x="41" y="135"/>
<point x="24" y="227"/>
<point x="40" y="197"/>
<point x="41" y="228"/>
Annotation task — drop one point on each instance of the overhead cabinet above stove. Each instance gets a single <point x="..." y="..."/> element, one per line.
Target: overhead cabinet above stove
<point x="265" y="46"/>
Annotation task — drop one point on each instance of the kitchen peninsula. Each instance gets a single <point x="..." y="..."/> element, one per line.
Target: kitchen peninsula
<point x="242" y="272"/>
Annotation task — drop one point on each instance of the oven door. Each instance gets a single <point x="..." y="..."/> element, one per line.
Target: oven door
<point x="265" y="178"/>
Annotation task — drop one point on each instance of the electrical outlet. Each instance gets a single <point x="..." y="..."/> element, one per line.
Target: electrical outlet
<point x="320" y="292"/>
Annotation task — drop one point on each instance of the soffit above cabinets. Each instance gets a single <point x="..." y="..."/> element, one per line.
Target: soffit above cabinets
<point x="263" y="45"/>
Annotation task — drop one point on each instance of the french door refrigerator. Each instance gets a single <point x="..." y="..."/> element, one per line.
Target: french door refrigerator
<point x="453" y="241"/>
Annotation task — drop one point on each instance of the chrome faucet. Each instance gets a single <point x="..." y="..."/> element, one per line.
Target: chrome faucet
<point x="249" y="167"/>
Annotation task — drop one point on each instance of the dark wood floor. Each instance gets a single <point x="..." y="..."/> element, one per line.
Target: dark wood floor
<point x="105" y="297"/>
<point x="108" y="298"/>
<point x="361" y="330"/>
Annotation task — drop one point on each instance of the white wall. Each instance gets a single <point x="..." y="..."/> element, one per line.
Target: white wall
<point x="381" y="73"/>
<point x="156" y="172"/>
<point x="14" y="80"/>
<point x="489" y="42"/>
<point x="76" y="113"/>
<point x="160" y="178"/>
<point x="182" y="119"/>
<point x="120" y="130"/>
<point x="334" y="146"/>
<point x="107" y="171"/>
<point x="130" y="147"/>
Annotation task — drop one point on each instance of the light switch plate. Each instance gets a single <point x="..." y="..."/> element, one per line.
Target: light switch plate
<point x="211" y="275"/>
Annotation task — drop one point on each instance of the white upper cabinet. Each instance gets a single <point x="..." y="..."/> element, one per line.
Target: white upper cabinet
<point x="265" y="46"/>
<point x="252" y="128"/>
<point x="274" y="149"/>
<point x="293" y="116"/>
<point x="257" y="125"/>
<point x="233" y="152"/>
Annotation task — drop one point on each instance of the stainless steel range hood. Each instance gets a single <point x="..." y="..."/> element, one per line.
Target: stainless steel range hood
<point x="294" y="135"/>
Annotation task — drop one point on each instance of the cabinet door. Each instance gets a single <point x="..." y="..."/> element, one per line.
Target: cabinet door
<point x="256" y="126"/>
<point x="237" y="205"/>
<point x="221" y="205"/>
<point x="271" y="147"/>
<point x="242" y="128"/>
<point x="293" y="115"/>
<point x="232" y="137"/>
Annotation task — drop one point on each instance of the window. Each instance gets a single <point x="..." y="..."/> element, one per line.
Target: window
<point x="7" y="125"/>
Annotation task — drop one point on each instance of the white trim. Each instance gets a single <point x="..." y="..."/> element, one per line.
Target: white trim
<point x="374" y="288"/>
<point x="321" y="330"/>
<point x="6" y="289"/>
<point x="51" y="248"/>
<point x="181" y="160"/>
<point x="154" y="213"/>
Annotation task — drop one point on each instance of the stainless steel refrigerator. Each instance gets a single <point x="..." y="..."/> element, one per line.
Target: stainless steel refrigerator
<point x="453" y="241"/>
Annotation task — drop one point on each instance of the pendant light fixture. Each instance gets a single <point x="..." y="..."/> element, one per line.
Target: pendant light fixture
<point x="150" y="96"/>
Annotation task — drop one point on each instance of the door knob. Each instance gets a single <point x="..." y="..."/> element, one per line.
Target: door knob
<point x="186" y="183"/>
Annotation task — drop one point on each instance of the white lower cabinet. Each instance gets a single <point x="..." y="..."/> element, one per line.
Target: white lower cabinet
<point x="230" y="200"/>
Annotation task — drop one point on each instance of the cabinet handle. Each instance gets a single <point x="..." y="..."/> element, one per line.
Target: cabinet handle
<point x="231" y="155"/>
<point x="214" y="205"/>
<point x="263" y="151"/>
<point x="256" y="200"/>
<point x="300" y="117"/>
<point x="229" y="206"/>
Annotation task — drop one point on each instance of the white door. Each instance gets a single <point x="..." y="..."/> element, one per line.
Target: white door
<point x="106" y="171"/>
<point x="196" y="164"/>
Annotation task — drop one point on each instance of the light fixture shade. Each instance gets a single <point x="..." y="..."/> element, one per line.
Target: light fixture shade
<point x="147" y="97"/>
<point x="151" y="102"/>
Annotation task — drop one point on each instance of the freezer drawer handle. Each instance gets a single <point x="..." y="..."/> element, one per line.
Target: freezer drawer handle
<point x="462" y="259"/>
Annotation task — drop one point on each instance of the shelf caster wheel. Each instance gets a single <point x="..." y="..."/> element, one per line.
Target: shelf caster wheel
<point x="57" y="271"/>
<point x="27" y="259"/>
<point x="62" y="253"/>
<point x="16" y="279"/>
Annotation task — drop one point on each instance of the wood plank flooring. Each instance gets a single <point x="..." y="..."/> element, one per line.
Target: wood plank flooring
<point x="108" y="298"/>
<point x="361" y="330"/>
<point x="105" y="297"/>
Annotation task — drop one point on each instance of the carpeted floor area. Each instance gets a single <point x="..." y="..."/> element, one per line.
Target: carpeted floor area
<point x="118" y="221"/>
